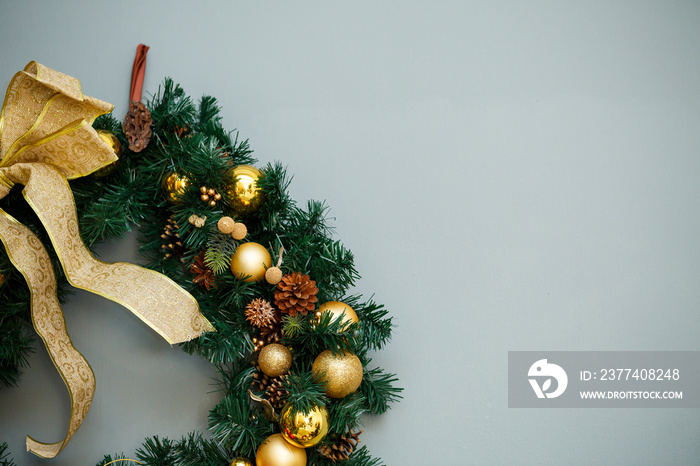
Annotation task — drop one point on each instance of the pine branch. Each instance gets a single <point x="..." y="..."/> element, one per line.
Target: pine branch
<point x="378" y="390"/>
<point x="361" y="457"/>
<point x="221" y="347"/>
<point x="312" y="338"/>
<point x="220" y="248"/>
<point x="5" y="458"/>
<point x="171" y="108"/>
<point x="233" y="425"/>
<point x="346" y="413"/>
<point x="157" y="452"/>
<point x="117" y="460"/>
<point x="278" y="205"/>
<point x="375" y="326"/>
<point x="196" y="451"/>
<point x="304" y="392"/>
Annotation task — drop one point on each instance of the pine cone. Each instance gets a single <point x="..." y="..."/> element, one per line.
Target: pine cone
<point x="260" y="382"/>
<point x="137" y="126"/>
<point x="296" y="293"/>
<point x="260" y="313"/>
<point x="272" y="386"/>
<point x="340" y="447"/>
<point x="172" y="246"/>
<point x="276" y="394"/>
<point x="273" y="332"/>
<point x="205" y="276"/>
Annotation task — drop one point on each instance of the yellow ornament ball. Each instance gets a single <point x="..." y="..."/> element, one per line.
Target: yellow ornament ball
<point x="250" y="261"/>
<point x="276" y="451"/>
<point x="336" y="309"/>
<point x="240" y="231"/>
<point x="303" y="429"/>
<point x="174" y="187"/>
<point x="242" y="189"/>
<point x="240" y="461"/>
<point x="226" y="225"/>
<point x="341" y="373"/>
<point x="274" y="360"/>
<point x="116" y="146"/>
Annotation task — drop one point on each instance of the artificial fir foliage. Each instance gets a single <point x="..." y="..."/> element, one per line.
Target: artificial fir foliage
<point x="188" y="139"/>
<point x="5" y="459"/>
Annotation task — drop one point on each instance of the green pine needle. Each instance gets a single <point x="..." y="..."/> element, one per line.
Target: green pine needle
<point x="5" y="458"/>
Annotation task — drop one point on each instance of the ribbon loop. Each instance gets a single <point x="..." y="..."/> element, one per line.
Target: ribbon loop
<point x="46" y="138"/>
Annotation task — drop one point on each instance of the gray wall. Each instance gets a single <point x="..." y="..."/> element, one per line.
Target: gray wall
<point x="509" y="175"/>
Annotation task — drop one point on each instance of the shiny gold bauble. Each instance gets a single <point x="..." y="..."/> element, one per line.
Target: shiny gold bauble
<point x="116" y="146"/>
<point x="342" y="373"/>
<point x="174" y="187"/>
<point x="251" y="260"/>
<point x="242" y="188"/>
<point x="336" y="309"/>
<point x="276" y="451"/>
<point x="303" y="429"/>
<point x="240" y="461"/>
<point x="274" y="360"/>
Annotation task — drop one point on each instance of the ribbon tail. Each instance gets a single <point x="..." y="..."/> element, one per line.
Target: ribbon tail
<point x="30" y="257"/>
<point x="157" y="300"/>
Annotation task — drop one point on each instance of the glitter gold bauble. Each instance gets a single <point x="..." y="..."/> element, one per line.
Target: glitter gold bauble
<point x="274" y="360"/>
<point x="251" y="260"/>
<point x="225" y="225"/>
<point x="303" y="429"/>
<point x="174" y="187"/>
<point x="342" y="373"/>
<point x="242" y="189"/>
<point x="276" y="451"/>
<point x="240" y="461"/>
<point x="113" y="142"/>
<point x="240" y="231"/>
<point x="336" y="309"/>
<point x="273" y="275"/>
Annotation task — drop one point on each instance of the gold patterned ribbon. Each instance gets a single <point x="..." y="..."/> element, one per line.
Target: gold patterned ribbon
<point x="46" y="138"/>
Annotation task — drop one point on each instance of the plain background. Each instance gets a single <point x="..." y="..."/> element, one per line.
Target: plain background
<point x="510" y="176"/>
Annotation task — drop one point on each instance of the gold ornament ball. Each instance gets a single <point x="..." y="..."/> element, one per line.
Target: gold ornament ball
<point x="274" y="360"/>
<point x="276" y="451"/>
<point x="174" y="187"/>
<point x="225" y="225"/>
<point x="250" y="259"/>
<point x="239" y="231"/>
<point x="336" y="309"/>
<point x="342" y="373"/>
<point x="240" y="461"/>
<point x="273" y="275"/>
<point x="116" y="146"/>
<point x="242" y="189"/>
<point x="303" y="429"/>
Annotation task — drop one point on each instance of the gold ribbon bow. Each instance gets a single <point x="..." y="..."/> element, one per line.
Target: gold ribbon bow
<point x="46" y="138"/>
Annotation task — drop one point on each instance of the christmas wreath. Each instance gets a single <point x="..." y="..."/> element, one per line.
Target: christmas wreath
<point x="289" y="341"/>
